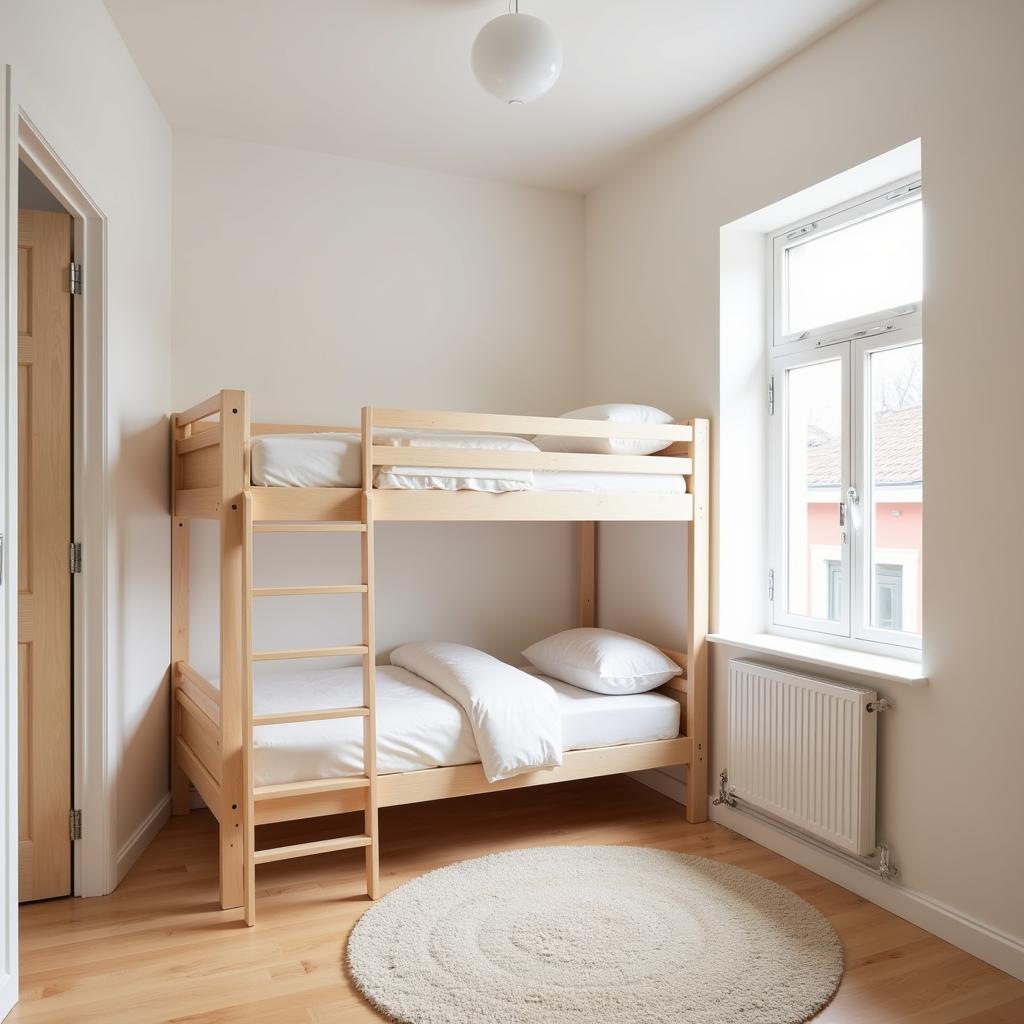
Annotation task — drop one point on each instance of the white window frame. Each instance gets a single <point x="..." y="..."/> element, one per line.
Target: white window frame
<point x="778" y="475"/>
<point x="852" y="342"/>
<point x="908" y="333"/>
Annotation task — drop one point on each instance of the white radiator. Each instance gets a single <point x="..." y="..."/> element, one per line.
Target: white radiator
<point x="802" y="750"/>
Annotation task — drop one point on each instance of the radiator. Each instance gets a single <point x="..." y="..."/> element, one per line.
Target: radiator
<point x="802" y="751"/>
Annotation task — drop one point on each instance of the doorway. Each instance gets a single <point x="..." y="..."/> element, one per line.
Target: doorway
<point x="45" y="553"/>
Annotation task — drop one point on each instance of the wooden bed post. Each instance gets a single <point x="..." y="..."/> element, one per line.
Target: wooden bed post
<point x="697" y="625"/>
<point x="234" y="449"/>
<point x="586" y="572"/>
<point x="370" y="812"/>
<point x="248" y="773"/>
<point x="181" y="530"/>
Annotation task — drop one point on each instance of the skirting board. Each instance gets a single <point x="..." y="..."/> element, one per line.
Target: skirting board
<point x="974" y="937"/>
<point x="986" y="943"/>
<point x="664" y="782"/>
<point x="142" y="837"/>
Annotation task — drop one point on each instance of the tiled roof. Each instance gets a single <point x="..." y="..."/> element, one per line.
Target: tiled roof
<point x="897" y="439"/>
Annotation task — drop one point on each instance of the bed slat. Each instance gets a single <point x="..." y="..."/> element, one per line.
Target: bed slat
<point x="488" y="423"/>
<point x="563" y="462"/>
<point x="344" y="588"/>
<point x="289" y="717"/>
<point x="281" y="789"/>
<point x="309" y="652"/>
<point x="309" y="528"/>
<point x="309" y="849"/>
<point x="200" y="439"/>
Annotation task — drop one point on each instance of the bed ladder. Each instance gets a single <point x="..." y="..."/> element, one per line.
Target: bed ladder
<point x="368" y="838"/>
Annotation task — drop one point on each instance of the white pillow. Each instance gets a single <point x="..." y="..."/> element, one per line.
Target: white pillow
<point x="617" y="413"/>
<point x="602" y="660"/>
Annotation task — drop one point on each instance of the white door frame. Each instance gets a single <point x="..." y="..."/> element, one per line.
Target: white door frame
<point x="94" y="772"/>
<point x="9" y="561"/>
<point x="94" y="854"/>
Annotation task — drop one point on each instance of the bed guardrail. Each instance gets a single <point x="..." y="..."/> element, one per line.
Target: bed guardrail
<point x="525" y="426"/>
<point x="204" y="453"/>
<point x="200" y="456"/>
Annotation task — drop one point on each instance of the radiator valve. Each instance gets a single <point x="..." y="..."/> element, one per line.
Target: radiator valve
<point x="886" y="868"/>
<point x="724" y="793"/>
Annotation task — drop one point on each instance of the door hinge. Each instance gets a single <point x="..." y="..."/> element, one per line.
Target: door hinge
<point x="771" y="584"/>
<point x="75" y="824"/>
<point x="75" y="278"/>
<point x="771" y="395"/>
<point x="75" y="556"/>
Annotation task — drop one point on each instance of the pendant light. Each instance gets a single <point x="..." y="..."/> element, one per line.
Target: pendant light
<point x="517" y="57"/>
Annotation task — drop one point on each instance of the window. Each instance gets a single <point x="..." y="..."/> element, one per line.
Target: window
<point x="845" y="405"/>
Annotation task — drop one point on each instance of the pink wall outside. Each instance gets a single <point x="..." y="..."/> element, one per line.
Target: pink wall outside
<point x="902" y="531"/>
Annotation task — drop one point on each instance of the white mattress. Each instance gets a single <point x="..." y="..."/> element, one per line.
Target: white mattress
<point x="334" y="460"/>
<point x="610" y="483"/>
<point x="420" y="727"/>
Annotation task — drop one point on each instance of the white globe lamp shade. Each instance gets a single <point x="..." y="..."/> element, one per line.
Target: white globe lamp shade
<point x="517" y="57"/>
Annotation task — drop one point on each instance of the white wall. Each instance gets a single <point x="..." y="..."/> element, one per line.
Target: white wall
<point x="76" y="81"/>
<point x="322" y="284"/>
<point x="950" y="73"/>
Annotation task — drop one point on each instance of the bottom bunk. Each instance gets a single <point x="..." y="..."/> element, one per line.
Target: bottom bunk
<point x="419" y="726"/>
<point x="426" y="748"/>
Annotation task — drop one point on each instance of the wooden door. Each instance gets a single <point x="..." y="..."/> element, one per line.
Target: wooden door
<point x="44" y="533"/>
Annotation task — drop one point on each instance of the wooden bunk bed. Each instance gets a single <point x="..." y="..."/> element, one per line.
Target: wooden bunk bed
<point x="212" y="725"/>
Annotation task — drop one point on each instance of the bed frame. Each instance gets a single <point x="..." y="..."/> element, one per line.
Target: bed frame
<point x="212" y="726"/>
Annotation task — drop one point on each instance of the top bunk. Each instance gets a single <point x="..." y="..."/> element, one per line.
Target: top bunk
<point x="421" y="463"/>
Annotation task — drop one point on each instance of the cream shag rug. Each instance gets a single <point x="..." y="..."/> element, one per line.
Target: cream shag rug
<point x="594" y="935"/>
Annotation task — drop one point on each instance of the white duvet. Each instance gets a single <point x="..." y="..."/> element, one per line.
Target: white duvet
<point x="418" y="726"/>
<point x="514" y="716"/>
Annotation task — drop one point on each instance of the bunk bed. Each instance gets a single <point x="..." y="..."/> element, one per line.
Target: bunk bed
<point x="213" y="724"/>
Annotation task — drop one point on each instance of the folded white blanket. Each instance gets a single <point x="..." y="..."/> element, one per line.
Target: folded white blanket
<point x="515" y="717"/>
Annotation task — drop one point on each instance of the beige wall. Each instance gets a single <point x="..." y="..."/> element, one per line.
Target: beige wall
<point x="80" y="87"/>
<point x="950" y="73"/>
<point x="322" y="284"/>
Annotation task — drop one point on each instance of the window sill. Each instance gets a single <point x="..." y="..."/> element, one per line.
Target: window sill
<point x="878" y="666"/>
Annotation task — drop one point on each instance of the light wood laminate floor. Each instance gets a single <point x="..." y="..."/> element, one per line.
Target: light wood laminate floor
<point x="160" y="950"/>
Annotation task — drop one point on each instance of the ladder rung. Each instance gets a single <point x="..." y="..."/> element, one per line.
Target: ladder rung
<point x="310" y="849"/>
<point x="347" y="588"/>
<point x="309" y="527"/>
<point x="307" y="788"/>
<point x="310" y="652"/>
<point x="286" y="717"/>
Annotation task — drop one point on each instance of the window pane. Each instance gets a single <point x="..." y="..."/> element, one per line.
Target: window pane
<point x="895" y="454"/>
<point x="873" y="265"/>
<point x="814" y="407"/>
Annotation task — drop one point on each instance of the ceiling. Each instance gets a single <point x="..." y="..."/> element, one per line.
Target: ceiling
<point x="390" y="79"/>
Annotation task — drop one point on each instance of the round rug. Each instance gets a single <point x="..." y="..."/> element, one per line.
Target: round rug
<point x="594" y="935"/>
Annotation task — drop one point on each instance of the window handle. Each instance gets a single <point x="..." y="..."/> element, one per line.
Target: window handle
<point x="852" y="503"/>
<point x="842" y="513"/>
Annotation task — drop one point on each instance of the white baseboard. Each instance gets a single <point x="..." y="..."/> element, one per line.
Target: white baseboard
<point x="662" y="782"/>
<point x="142" y="837"/>
<point x="961" y="930"/>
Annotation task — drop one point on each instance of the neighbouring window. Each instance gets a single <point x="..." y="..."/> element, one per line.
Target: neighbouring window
<point x="845" y="404"/>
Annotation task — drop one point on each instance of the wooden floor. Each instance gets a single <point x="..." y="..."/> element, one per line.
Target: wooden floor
<point x="159" y="949"/>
